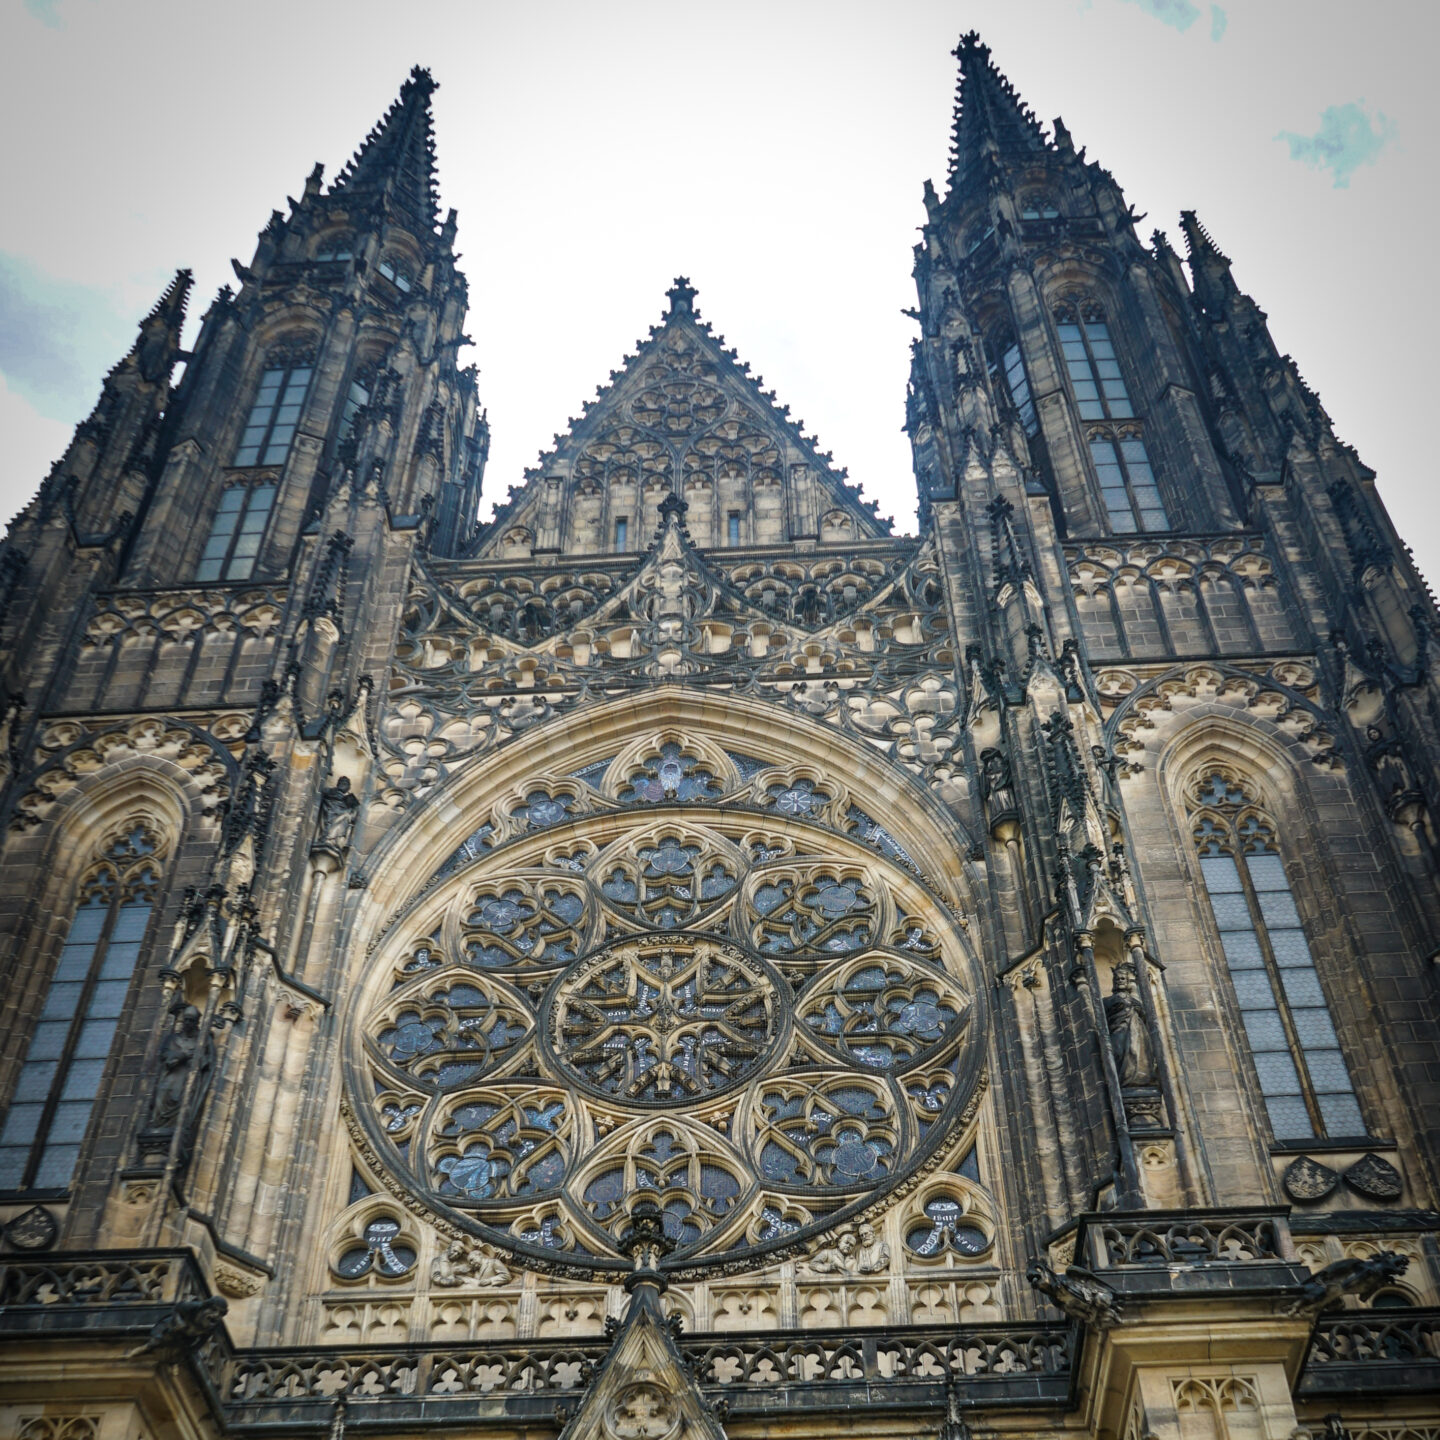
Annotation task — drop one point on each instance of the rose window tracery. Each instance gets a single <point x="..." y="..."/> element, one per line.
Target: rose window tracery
<point x="751" y="1016"/>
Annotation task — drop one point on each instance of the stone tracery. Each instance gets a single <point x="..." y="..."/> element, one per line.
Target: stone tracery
<point x="759" y="1027"/>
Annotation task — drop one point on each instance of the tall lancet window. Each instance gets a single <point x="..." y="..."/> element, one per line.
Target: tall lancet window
<point x="270" y="426"/>
<point x="1128" y="488"/>
<point x="60" y="1078"/>
<point x="1302" y="1072"/>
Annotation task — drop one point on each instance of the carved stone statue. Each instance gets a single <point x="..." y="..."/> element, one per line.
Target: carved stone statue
<point x="1129" y="1029"/>
<point x="1078" y="1293"/>
<point x="1361" y="1278"/>
<point x="836" y="1259"/>
<point x="181" y="1049"/>
<point x="873" y="1254"/>
<point x="997" y="781"/>
<point x="337" y="814"/>
<point x="462" y="1265"/>
<point x="187" y="1326"/>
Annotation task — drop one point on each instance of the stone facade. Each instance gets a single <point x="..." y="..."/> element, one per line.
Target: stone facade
<point x="681" y="955"/>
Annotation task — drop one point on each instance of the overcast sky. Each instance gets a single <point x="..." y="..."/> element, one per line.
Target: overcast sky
<point x="774" y="152"/>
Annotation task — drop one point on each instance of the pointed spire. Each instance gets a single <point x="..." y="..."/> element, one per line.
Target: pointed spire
<point x="989" y="116"/>
<point x="397" y="158"/>
<point x="1209" y="265"/>
<point x="158" y="343"/>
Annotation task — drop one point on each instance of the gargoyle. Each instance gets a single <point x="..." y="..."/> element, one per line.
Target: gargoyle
<point x="184" y="1328"/>
<point x="1361" y="1278"/>
<point x="1078" y="1293"/>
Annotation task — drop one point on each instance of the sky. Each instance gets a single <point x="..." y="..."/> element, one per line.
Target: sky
<point x="773" y="152"/>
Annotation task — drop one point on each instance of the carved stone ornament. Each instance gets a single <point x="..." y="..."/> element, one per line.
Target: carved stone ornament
<point x="238" y="1284"/>
<point x="642" y="1411"/>
<point x="33" y="1229"/>
<point x="1374" y="1178"/>
<point x="1308" y="1180"/>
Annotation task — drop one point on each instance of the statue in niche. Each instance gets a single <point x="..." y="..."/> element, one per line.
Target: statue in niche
<point x="182" y="1049"/>
<point x="998" y="785"/>
<point x="1129" y="1029"/>
<point x="337" y="814"/>
<point x="463" y="1265"/>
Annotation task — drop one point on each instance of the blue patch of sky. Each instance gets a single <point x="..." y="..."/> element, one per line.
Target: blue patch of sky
<point x="1348" y="138"/>
<point x="57" y="338"/>
<point x="45" y="11"/>
<point x="1182" y="14"/>
<point x="1218" y="21"/>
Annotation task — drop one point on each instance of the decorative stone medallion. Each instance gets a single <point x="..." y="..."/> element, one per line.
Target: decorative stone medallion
<point x="665" y="1020"/>
<point x="1374" y="1178"/>
<point x="1308" y="1180"/>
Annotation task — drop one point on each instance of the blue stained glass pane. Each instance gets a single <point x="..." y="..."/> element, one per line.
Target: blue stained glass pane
<point x="1120" y="409"/>
<point x="240" y="569"/>
<point x="68" y="1126"/>
<point x="1288" y="1117"/>
<point x="1154" y="520"/>
<point x="1302" y="987"/>
<point x="86" y="927"/>
<point x="108" y="999"/>
<point x="1278" y="908"/>
<point x="48" y="1040"/>
<point x="95" y="1038"/>
<point x="34" y="1082"/>
<point x="130" y="923"/>
<point x="1221" y="876"/>
<point x="1242" y="950"/>
<point x="246" y="455"/>
<point x="1231" y="912"/>
<point x="57" y="1166"/>
<point x="82" y="1080"/>
<point x="1253" y="990"/>
<point x="120" y="961"/>
<point x="247" y="546"/>
<point x="62" y="1000"/>
<point x="1264" y="1030"/>
<point x="1290" y="947"/>
<point x="12" y="1165"/>
<point x="1341" y="1114"/>
<point x="20" y="1124"/>
<point x="1328" y="1073"/>
<point x="1277" y="1072"/>
<point x="1267" y="872"/>
<point x="230" y="498"/>
<point x="208" y="570"/>
<point x="1313" y="1029"/>
<point x="75" y="962"/>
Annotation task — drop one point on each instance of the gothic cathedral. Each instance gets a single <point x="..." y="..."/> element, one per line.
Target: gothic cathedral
<point x="679" y="960"/>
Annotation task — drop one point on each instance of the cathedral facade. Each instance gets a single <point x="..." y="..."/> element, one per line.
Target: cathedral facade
<point x="681" y="958"/>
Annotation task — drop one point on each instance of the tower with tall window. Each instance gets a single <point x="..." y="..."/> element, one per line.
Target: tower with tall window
<point x="676" y="953"/>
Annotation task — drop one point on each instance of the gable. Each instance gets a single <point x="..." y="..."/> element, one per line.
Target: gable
<point x="683" y="417"/>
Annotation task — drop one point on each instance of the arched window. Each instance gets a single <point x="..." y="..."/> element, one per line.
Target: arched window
<point x="397" y="272"/>
<point x="276" y="412"/>
<point x="60" y="1079"/>
<point x="1302" y="1072"/>
<point x="1038" y="207"/>
<point x="236" y="532"/>
<point x="1128" y="488"/>
<point x="338" y="246"/>
<point x="1008" y="375"/>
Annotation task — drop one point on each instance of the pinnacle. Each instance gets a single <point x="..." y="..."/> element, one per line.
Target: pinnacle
<point x="989" y="114"/>
<point x="682" y="297"/>
<point x="397" y="157"/>
<point x="173" y="299"/>
<point x="1198" y="244"/>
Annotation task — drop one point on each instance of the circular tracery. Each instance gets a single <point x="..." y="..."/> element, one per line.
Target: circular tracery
<point x="763" y="1024"/>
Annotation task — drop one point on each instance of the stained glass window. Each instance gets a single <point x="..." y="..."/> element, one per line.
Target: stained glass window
<point x="60" y="1079"/>
<point x="233" y="546"/>
<point x="274" y="415"/>
<point x="1302" y="1071"/>
<point x="1127" y="484"/>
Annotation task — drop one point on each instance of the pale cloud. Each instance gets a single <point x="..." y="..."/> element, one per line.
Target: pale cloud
<point x="46" y="12"/>
<point x="1347" y="138"/>
<point x="33" y="442"/>
<point x="56" y="338"/>
<point x="1218" y="21"/>
<point x="1178" y="14"/>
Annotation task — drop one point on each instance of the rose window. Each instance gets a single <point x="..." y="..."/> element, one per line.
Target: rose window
<point x="749" y="1015"/>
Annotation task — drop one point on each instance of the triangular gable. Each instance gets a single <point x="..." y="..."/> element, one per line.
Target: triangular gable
<point x="683" y="417"/>
<point x="644" y="1390"/>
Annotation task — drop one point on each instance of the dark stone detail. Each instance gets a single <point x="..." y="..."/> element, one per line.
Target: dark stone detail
<point x="1307" y="1179"/>
<point x="1375" y="1178"/>
<point x="32" y="1229"/>
<point x="1360" y="1278"/>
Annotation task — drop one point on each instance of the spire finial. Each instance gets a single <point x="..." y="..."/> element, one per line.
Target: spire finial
<point x="989" y="116"/>
<point x="1198" y="244"/>
<point x="682" y="297"/>
<point x="397" y="157"/>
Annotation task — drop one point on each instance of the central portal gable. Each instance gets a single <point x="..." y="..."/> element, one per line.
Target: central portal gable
<point x="683" y="417"/>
